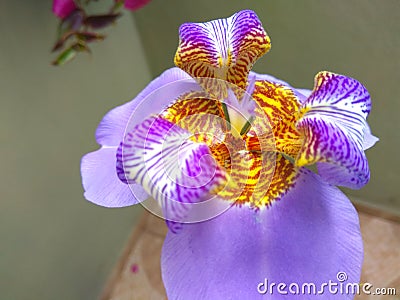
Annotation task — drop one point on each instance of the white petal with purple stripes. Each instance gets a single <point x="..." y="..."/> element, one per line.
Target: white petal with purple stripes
<point x="334" y="127"/>
<point x="174" y="170"/>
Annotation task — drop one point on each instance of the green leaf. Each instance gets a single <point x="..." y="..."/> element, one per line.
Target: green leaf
<point x="66" y="56"/>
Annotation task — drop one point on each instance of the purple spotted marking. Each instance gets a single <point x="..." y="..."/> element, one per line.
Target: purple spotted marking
<point x="134" y="268"/>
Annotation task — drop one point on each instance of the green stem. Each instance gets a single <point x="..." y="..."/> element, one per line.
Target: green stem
<point x="246" y="126"/>
<point x="226" y="114"/>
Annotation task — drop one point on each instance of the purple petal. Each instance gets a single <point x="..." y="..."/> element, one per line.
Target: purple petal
<point x="63" y="8"/>
<point x="101" y="183"/>
<point x="333" y="127"/>
<point x="174" y="170"/>
<point x="156" y="96"/>
<point x="225" y="49"/>
<point x="310" y="235"/>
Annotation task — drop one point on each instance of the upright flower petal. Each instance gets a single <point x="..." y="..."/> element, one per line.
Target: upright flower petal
<point x="174" y="170"/>
<point x="307" y="237"/>
<point x="334" y="126"/>
<point x="224" y="49"/>
<point x="63" y="8"/>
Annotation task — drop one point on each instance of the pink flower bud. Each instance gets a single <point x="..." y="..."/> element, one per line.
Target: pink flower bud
<point x="134" y="4"/>
<point x="63" y="8"/>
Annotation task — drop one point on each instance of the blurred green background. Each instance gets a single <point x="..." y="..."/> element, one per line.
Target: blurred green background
<point x="56" y="245"/>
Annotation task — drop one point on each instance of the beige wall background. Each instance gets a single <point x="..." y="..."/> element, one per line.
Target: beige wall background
<point x="358" y="38"/>
<point x="54" y="244"/>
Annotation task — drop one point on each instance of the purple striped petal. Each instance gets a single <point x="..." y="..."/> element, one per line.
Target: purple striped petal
<point x="334" y="126"/>
<point x="174" y="170"/>
<point x="309" y="236"/>
<point x="157" y="95"/>
<point x="225" y="49"/>
<point x="101" y="183"/>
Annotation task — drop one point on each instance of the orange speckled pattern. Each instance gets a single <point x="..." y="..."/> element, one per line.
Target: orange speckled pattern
<point x="281" y="106"/>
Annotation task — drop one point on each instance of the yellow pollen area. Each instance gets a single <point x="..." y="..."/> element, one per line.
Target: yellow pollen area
<point x="257" y="175"/>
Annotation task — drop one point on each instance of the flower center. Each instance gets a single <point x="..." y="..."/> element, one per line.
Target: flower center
<point x="249" y="137"/>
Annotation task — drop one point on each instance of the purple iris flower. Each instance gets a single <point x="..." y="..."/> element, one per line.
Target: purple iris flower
<point x="223" y="151"/>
